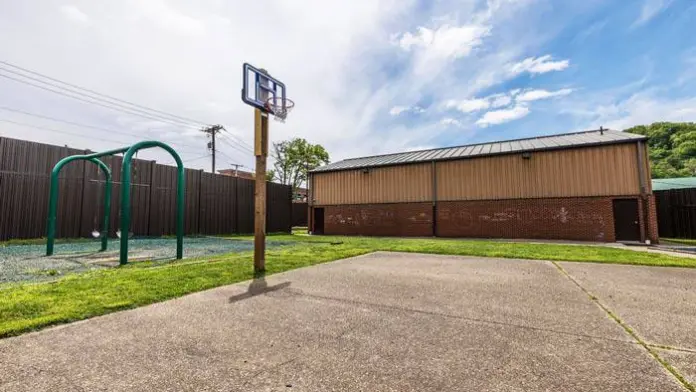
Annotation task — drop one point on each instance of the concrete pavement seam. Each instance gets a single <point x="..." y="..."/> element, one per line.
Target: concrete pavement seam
<point x="672" y="348"/>
<point x="627" y="328"/>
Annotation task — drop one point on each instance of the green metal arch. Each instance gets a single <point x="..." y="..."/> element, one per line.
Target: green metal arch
<point x="126" y="199"/>
<point x="53" y="200"/>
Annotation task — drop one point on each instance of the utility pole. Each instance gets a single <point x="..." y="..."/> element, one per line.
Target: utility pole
<point x="236" y="168"/>
<point x="212" y="131"/>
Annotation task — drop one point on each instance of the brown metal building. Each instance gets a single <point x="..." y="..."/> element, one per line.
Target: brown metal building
<point x="592" y="186"/>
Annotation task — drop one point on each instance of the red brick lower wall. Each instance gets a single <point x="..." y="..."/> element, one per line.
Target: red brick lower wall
<point x="580" y="218"/>
<point x="584" y="219"/>
<point x="404" y="220"/>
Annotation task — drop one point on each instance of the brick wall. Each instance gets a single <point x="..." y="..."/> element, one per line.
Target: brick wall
<point x="578" y="218"/>
<point x="586" y="219"/>
<point x="404" y="219"/>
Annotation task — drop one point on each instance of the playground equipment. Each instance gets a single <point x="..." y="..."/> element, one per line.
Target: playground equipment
<point x="128" y="152"/>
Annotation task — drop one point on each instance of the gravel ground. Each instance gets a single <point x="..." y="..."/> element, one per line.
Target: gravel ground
<point x="20" y="263"/>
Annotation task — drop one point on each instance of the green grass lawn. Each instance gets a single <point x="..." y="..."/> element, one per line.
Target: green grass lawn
<point x="26" y="307"/>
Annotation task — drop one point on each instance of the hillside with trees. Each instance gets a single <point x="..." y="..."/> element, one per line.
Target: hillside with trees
<point x="672" y="148"/>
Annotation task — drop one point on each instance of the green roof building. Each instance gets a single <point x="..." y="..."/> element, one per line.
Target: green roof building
<point x="664" y="184"/>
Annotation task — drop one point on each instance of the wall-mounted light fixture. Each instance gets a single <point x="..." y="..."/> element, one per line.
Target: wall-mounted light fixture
<point x="526" y="155"/>
<point x="366" y="171"/>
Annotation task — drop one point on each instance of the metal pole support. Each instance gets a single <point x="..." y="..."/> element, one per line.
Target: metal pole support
<point x="126" y="199"/>
<point x="53" y="200"/>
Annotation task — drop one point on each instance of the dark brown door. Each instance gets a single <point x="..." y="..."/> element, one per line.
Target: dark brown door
<point x="626" y="220"/>
<point x="318" y="221"/>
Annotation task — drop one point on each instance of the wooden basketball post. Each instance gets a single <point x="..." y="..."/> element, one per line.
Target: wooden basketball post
<point x="261" y="153"/>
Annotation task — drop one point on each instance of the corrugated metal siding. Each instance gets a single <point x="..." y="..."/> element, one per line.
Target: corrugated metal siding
<point x="593" y="171"/>
<point x="408" y="183"/>
<point x="568" y="140"/>
<point x="596" y="171"/>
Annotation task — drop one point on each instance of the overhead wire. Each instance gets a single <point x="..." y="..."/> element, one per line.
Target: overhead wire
<point x="107" y="101"/>
<point x="85" y="125"/>
<point x="101" y="94"/>
<point x="106" y="105"/>
<point x="187" y="160"/>
<point x="242" y="142"/>
<point x="59" y="131"/>
<point x="234" y="147"/>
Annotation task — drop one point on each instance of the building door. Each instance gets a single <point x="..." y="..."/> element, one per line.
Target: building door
<point x="626" y="222"/>
<point x="318" y="221"/>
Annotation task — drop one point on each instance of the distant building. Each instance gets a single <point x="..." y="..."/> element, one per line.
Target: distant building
<point x="300" y="195"/>
<point x="237" y="173"/>
<point x="665" y="184"/>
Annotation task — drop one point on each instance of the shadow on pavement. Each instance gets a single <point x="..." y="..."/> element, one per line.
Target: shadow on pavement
<point x="258" y="286"/>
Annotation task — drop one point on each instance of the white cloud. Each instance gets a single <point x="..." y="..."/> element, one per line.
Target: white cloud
<point x="74" y="14"/>
<point x="478" y="104"/>
<point x="642" y="108"/>
<point x="446" y="41"/>
<point x="448" y="121"/>
<point x="650" y="9"/>
<point x="339" y="62"/>
<point x="468" y="105"/>
<point x="534" y="95"/>
<point x="539" y="65"/>
<point x="158" y="53"/>
<point x="397" y="110"/>
<point x="500" y="100"/>
<point x="495" y="117"/>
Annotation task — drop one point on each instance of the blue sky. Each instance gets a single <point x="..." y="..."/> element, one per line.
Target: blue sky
<point x="368" y="76"/>
<point x="588" y="64"/>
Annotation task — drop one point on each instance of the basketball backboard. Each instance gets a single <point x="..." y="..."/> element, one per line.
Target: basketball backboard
<point x="258" y="87"/>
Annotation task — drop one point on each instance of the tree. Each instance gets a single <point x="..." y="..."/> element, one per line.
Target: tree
<point x="294" y="158"/>
<point x="672" y="148"/>
<point x="270" y="175"/>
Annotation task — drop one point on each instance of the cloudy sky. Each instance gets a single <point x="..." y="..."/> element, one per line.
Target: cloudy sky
<point x="367" y="76"/>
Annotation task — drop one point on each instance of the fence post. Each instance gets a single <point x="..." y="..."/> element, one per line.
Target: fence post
<point x="236" y="205"/>
<point x="153" y="170"/>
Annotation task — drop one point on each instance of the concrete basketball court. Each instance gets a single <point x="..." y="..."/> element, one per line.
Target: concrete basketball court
<point x="386" y="322"/>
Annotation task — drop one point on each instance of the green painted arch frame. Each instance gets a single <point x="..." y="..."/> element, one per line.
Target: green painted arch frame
<point x="126" y="199"/>
<point x="53" y="200"/>
<point x="125" y="195"/>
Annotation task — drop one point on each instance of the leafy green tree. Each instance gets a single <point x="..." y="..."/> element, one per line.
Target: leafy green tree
<point x="672" y="148"/>
<point x="294" y="158"/>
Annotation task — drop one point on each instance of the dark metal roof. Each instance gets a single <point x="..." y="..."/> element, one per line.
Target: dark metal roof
<point x="552" y="142"/>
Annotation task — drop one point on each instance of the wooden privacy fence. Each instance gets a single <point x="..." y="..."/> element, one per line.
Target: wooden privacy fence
<point x="676" y="213"/>
<point x="215" y="204"/>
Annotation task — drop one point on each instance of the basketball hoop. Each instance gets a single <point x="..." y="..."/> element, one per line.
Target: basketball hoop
<point x="279" y="107"/>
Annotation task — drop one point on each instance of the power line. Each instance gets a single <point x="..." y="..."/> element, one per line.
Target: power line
<point x="107" y="105"/>
<point x="225" y="155"/>
<point x="82" y="125"/>
<point x="186" y="160"/>
<point x="120" y="142"/>
<point x="245" y="153"/>
<point x="58" y="131"/>
<point x="135" y="109"/>
<point x="242" y="142"/>
<point x="100" y="94"/>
